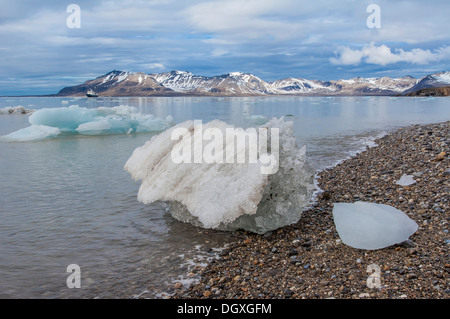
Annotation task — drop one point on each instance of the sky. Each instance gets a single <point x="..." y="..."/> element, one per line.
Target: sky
<point x="46" y="45"/>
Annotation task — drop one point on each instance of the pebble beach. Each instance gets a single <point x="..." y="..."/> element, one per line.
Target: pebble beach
<point x="308" y="260"/>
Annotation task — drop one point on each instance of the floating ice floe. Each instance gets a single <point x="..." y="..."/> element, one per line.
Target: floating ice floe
<point x="257" y="119"/>
<point x="225" y="196"/>
<point x="372" y="226"/>
<point x="15" y="110"/>
<point x="51" y="122"/>
<point x="406" y="180"/>
<point x="32" y="133"/>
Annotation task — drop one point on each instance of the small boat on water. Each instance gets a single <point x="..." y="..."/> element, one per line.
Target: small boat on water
<point x="91" y="93"/>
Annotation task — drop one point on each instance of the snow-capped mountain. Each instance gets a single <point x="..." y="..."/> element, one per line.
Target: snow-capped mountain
<point x="232" y="83"/>
<point x="118" y="83"/>
<point x="244" y="83"/>
<point x="180" y="81"/>
<point x="433" y="80"/>
<point x="383" y="85"/>
<point x="360" y="86"/>
<point x="294" y="85"/>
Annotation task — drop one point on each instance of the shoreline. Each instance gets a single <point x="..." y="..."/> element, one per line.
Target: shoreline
<point x="307" y="260"/>
<point x="428" y="93"/>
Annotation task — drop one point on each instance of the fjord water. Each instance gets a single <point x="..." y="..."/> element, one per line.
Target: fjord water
<point x="68" y="200"/>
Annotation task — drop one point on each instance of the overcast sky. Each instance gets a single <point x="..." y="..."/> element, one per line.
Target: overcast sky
<point x="272" y="39"/>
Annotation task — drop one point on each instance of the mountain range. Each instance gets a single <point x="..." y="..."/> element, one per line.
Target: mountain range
<point x="177" y="83"/>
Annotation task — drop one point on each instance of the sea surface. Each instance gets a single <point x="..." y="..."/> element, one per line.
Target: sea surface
<point x="67" y="200"/>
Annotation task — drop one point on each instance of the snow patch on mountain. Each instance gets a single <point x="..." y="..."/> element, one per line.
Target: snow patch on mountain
<point x="123" y="77"/>
<point x="179" y="81"/>
<point x="442" y="77"/>
<point x="294" y="85"/>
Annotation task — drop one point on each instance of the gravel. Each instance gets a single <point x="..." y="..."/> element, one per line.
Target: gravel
<point x="307" y="260"/>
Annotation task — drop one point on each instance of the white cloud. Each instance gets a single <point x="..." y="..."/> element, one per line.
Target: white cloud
<point x="383" y="55"/>
<point x="249" y="19"/>
<point x="347" y="56"/>
<point x="154" y="66"/>
<point x="218" y="52"/>
<point x="278" y="38"/>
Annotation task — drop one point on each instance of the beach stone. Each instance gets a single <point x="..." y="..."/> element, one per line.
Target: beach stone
<point x="178" y="285"/>
<point x="441" y="156"/>
<point x="408" y="244"/>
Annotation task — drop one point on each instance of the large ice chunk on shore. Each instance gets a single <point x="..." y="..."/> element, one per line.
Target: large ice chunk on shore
<point x="372" y="226"/>
<point x="226" y="196"/>
<point x="50" y="122"/>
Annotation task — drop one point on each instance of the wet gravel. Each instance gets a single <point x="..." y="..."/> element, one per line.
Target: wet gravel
<point x="307" y="260"/>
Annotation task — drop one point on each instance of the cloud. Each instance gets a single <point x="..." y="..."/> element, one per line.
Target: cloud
<point x="243" y="20"/>
<point x="272" y="39"/>
<point x="153" y="66"/>
<point x="383" y="55"/>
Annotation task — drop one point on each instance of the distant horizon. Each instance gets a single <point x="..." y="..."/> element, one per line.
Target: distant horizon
<point x="56" y="92"/>
<point x="49" y="45"/>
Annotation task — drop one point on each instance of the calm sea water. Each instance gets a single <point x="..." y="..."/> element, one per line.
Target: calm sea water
<point x="68" y="200"/>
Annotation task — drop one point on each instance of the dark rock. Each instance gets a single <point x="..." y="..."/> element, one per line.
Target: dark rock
<point x="408" y="244"/>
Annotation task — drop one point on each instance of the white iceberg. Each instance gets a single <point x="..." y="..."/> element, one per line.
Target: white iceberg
<point x="371" y="226"/>
<point x="98" y="121"/>
<point x="224" y="195"/>
<point x="406" y="180"/>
